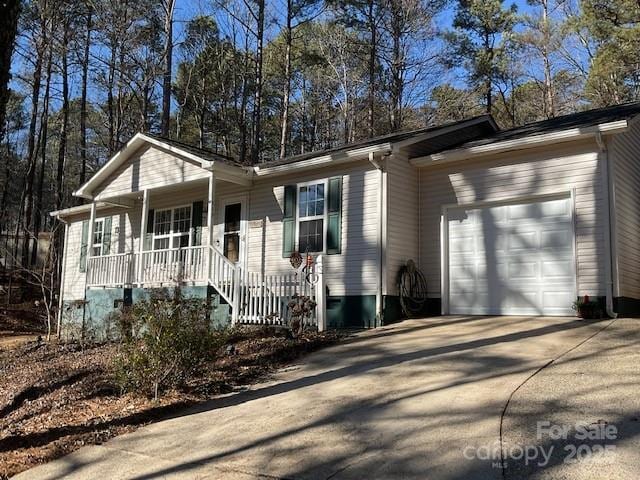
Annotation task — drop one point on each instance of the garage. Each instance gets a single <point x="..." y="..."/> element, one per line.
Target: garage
<point x="515" y="258"/>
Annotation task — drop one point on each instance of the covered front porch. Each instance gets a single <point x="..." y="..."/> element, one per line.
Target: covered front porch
<point x="191" y="234"/>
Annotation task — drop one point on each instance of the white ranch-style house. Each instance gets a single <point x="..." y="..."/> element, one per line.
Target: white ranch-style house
<point x="501" y="222"/>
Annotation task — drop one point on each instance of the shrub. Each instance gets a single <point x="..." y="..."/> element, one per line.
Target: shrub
<point x="164" y="341"/>
<point x="301" y="310"/>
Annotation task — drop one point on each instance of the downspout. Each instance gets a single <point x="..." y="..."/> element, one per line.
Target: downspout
<point x="63" y="268"/>
<point x="380" y="240"/>
<point x="608" y="214"/>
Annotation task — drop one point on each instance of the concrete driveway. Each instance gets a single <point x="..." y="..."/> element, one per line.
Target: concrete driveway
<point x="413" y="400"/>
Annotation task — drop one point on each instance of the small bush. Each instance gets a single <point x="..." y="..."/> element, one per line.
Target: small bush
<point x="164" y="341"/>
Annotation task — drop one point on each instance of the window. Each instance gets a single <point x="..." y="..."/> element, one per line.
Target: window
<point x="171" y="228"/>
<point x="311" y="217"/>
<point x="98" y="236"/>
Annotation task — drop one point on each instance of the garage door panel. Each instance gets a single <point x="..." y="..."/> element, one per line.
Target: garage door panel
<point x="518" y="270"/>
<point x="527" y="212"/>
<point x="554" y="238"/>
<point x="524" y="240"/>
<point x="512" y="259"/>
<point x="558" y="270"/>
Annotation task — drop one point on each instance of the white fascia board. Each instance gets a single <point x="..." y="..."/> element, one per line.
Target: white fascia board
<point x="86" y="208"/>
<point x="230" y="173"/>
<point x="86" y="190"/>
<point x="324" y="160"/>
<point x="521" y="143"/>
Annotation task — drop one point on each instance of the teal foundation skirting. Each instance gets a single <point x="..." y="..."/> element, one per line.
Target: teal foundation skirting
<point x="94" y="318"/>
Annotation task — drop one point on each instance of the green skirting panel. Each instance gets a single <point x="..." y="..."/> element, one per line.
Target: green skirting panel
<point x="626" y="306"/>
<point x="391" y="310"/>
<point x="351" y="311"/>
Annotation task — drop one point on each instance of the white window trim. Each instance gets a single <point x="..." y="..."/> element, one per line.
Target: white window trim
<point x="171" y="235"/>
<point x="323" y="217"/>
<point x="100" y="245"/>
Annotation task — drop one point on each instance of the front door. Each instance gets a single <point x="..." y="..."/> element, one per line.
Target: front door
<point x="233" y="230"/>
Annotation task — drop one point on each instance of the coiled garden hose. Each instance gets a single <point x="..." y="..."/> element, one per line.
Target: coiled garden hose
<point x="412" y="288"/>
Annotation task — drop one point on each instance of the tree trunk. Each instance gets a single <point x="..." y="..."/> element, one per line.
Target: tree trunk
<point x="372" y="68"/>
<point x="27" y="193"/>
<point x="397" y="66"/>
<point x="488" y="83"/>
<point x="168" y="64"/>
<point x="110" y="102"/>
<point x="9" y="12"/>
<point x="62" y="146"/>
<point x="44" y="136"/>
<point x="548" y="77"/>
<point x="287" y="83"/>
<point x="83" y="102"/>
<point x="257" y="106"/>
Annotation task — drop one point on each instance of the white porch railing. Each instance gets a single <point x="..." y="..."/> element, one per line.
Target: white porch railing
<point x="111" y="270"/>
<point x="255" y="298"/>
<point x="175" y="265"/>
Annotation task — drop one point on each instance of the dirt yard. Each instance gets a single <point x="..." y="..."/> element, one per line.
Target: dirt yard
<point x="19" y="323"/>
<point x="55" y="398"/>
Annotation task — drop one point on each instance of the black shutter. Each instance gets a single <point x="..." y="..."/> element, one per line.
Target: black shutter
<point x="148" y="238"/>
<point x="334" y="226"/>
<point x="106" y="236"/>
<point x="196" y="222"/>
<point x="289" y="221"/>
<point x="84" y="246"/>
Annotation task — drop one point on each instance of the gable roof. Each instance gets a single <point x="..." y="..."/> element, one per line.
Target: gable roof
<point x="202" y="157"/>
<point x="607" y="120"/>
<point x="486" y="123"/>
<point x="204" y="153"/>
<point x="233" y="169"/>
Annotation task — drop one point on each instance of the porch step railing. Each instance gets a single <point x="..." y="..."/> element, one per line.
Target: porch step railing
<point x="264" y="299"/>
<point x="255" y="298"/>
<point x="223" y="275"/>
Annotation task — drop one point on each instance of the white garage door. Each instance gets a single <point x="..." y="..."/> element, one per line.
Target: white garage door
<point x="512" y="259"/>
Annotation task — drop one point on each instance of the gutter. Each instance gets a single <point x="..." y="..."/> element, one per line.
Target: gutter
<point x="533" y="141"/>
<point x="330" y="159"/>
<point x="609" y="239"/>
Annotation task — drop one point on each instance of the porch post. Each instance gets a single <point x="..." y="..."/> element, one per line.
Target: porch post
<point x="92" y="221"/>
<point x="143" y="234"/>
<point x="321" y="292"/>
<point x="210" y="206"/>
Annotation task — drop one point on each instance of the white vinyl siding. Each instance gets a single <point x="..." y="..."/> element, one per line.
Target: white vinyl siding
<point x="125" y="233"/>
<point x="402" y="218"/>
<point x="625" y="157"/>
<point x="149" y="168"/>
<point x="508" y="176"/>
<point x="355" y="270"/>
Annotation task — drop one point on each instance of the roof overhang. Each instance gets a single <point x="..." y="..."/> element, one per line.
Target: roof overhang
<point x="82" y="209"/>
<point x="324" y="160"/>
<point x="223" y="171"/>
<point x="362" y="153"/>
<point x="478" y="151"/>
